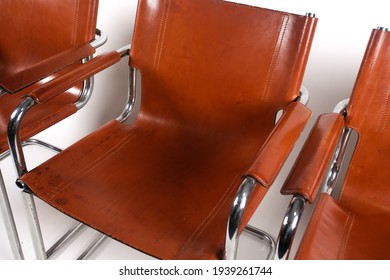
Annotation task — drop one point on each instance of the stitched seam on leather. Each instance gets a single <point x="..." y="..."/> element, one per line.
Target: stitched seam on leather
<point x="351" y="168"/>
<point x="158" y="37"/>
<point x="275" y="56"/>
<point x="75" y="22"/>
<point x="161" y="35"/>
<point x="188" y="244"/>
<point x="98" y="161"/>
<point x="347" y="231"/>
<point x="261" y="179"/>
<point x="384" y="116"/>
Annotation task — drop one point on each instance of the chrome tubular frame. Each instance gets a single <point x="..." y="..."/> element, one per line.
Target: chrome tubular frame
<point x="341" y="107"/>
<point x="337" y="159"/>
<point x="264" y="236"/>
<point x="86" y="92"/>
<point x="17" y="152"/>
<point x="100" y="39"/>
<point x="87" y="89"/>
<point x="329" y="183"/>
<point x="9" y="222"/>
<point x="14" y="140"/>
<point x="32" y="217"/>
<point x="236" y="213"/>
<point x="131" y="96"/>
<point x="234" y="222"/>
<point x="132" y="87"/>
<point x="298" y="202"/>
<point x="289" y="227"/>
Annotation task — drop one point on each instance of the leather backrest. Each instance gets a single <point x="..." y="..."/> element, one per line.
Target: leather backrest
<point x="368" y="177"/>
<point x="42" y="36"/>
<point x="217" y="64"/>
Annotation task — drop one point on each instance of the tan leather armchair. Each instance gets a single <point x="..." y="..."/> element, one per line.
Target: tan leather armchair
<point x="352" y="222"/>
<point x="41" y="41"/>
<point x="182" y="181"/>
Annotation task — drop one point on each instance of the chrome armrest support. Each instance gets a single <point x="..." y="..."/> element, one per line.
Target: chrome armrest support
<point x="289" y="226"/>
<point x="236" y="214"/>
<point x="298" y="202"/>
<point x="124" y="51"/>
<point x="14" y="140"/>
<point x="87" y="89"/>
<point x="86" y="92"/>
<point x="234" y="222"/>
<point x="132" y="87"/>
<point x="100" y="39"/>
<point x="131" y="95"/>
<point x="337" y="159"/>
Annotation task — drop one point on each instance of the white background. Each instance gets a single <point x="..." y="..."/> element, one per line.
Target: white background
<point x="342" y="34"/>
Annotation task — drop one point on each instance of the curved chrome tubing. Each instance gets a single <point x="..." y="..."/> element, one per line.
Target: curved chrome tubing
<point x="265" y="237"/>
<point x="20" y="163"/>
<point x="234" y="222"/>
<point x="236" y="213"/>
<point x="131" y="95"/>
<point x="5" y="204"/>
<point x="100" y="39"/>
<point x="86" y="92"/>
<point x="18" y="155"/>
<point x="341" y="107"/>
<point x="87" y="89"/>
<point x="289" y="227"/>
<point x="14" y="140"/>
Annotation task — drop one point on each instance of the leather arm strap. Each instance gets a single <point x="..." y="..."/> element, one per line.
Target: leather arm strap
<point x="279" y="144"/>
<point x="61" y="83"/>
<point x="308" y="171"/>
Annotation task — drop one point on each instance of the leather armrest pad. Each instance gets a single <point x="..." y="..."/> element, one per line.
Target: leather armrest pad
<point x="308" y="171"/>
<point x="279" y="144"/>
<point x="60" y="84"/>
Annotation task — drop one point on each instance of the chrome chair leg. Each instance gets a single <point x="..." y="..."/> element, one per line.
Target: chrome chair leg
<point x="34" y="225"/>
<point x="35" y="229"/>
<point x="9" y="222"/>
